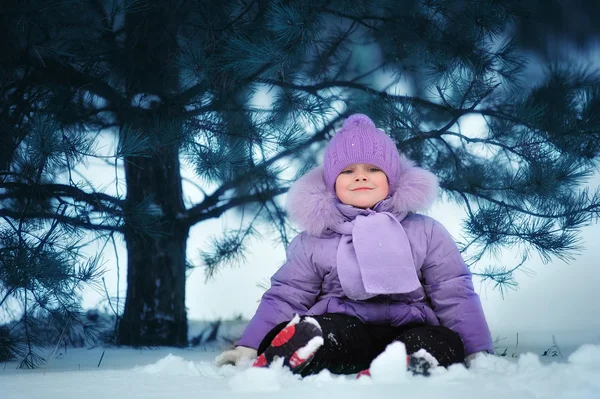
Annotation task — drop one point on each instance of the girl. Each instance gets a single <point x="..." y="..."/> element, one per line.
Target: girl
<point x="367" y="270"/>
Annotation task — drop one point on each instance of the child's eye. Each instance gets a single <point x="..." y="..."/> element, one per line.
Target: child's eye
<point x="374" y="170"/>
<point x="347" y="171"/>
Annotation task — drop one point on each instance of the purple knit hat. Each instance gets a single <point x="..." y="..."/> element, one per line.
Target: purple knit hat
<point x="359" y="141"/>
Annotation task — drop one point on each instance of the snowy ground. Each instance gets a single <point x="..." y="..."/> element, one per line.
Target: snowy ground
<point x="189" y="373"/>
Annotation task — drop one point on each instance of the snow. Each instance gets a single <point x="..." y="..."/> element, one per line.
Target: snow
<point x="424" y="354"/>
<point x="189" y="373"/>
<point x="310" y="348"/>
<point x="390" y="366"/>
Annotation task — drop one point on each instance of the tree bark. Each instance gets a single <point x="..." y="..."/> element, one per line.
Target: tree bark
<point x="155" y="311"/>
<point x="155" y="305"/>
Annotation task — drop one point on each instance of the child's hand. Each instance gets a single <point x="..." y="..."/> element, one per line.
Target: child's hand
<point x="235" y="356"/>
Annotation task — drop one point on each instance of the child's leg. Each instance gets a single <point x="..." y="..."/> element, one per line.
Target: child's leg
<point x="349" y="345"/>
<point x="441" y="342"/>
<point x="295" y="343"/>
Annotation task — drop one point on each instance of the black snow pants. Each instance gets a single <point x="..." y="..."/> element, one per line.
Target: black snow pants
<point x="350" y="345"/>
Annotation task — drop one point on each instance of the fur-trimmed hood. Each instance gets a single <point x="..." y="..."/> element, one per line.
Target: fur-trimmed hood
<point x="314" y="208"/>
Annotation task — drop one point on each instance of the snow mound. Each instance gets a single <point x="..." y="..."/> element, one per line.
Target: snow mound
<point x="529" y="376"/>
<point x="325" y="377"/>
<point x="586" y="355"/>
<point x="262" y="379"/>
<point x="171" y="365"/>
<point x="390" y="366"/>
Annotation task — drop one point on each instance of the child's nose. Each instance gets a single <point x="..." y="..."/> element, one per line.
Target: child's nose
<point x="360" y="177"/>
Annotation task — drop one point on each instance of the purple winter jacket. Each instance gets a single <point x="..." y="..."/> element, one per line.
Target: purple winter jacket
<point x="308" y="282"/>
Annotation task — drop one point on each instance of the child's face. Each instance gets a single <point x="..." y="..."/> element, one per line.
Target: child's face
<point x="362" y="185"/>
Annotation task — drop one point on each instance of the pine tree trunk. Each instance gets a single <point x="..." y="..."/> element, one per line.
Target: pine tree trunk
<point x="155" y="306"/>
<point x="155" y="311"/>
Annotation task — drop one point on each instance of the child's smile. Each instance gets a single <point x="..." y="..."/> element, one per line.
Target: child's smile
<point x="361" y="185"/>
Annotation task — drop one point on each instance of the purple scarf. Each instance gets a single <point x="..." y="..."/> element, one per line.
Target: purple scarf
<point x="374" y="255"/>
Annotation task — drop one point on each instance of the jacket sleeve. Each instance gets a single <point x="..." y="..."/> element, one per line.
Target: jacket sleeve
<point x="294" y="289"/>
<point x="448" y="283"/>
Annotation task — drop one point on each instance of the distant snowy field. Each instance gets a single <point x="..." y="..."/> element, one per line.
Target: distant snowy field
<point x="189" y="373"/>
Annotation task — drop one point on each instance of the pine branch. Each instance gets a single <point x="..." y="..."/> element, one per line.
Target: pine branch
<point x="408" y="100"/>
<point x="46" y="191"/>
<point x="229" y="248"/>
<point x="279" y="220"/>
<point x="358" y="20"/>
<point x="61" y="218"/>
<point x="66" y="75"/>
<point x="8" y="293"/>
<point x="490" y="142"/>
<point x="592" y="208"/>
<point x="202" y="212"/>
<point x="460" y="111"/>
<point x="240" y="16"/>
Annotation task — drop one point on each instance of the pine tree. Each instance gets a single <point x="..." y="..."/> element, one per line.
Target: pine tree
<point x="245" y="91"/>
